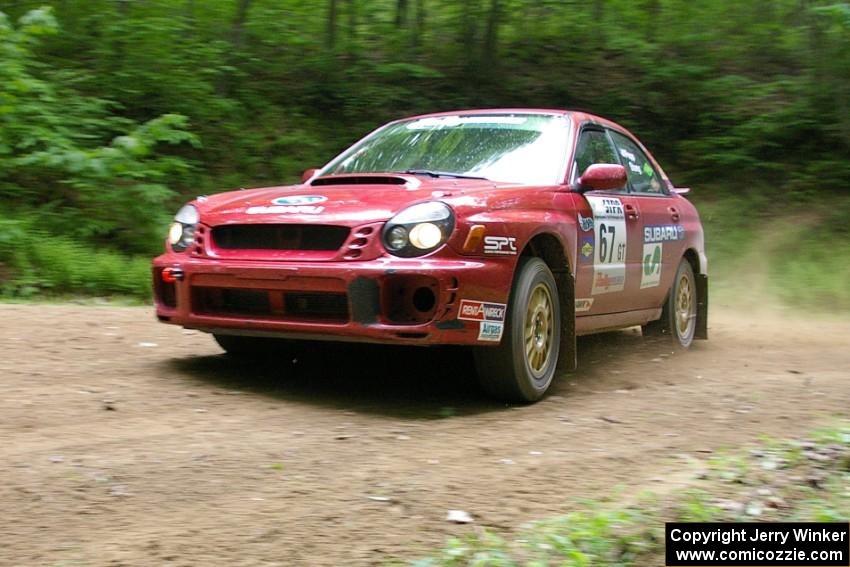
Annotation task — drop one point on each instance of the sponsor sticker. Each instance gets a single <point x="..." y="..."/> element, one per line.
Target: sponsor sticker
<point x="505" y="245"/>
<point x="651" y="266"/>
<point x="627" y="154"/>
<point x="609" y="247"/>
<point x="296" y="204"/>
<point x="285" y="209"/>
<point x="471" y="310"/>
<point x="300" y="200"/>
<point x="583" y="305"/>
<point x="608" y="282"/>
<point x="586" y="223"/>
<point x="586" y="249"/>
<point x="489" y="331"/>
<point x="663" y="233"/>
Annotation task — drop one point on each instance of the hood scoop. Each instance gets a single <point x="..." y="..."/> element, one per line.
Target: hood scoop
<point x="359" y="180"/>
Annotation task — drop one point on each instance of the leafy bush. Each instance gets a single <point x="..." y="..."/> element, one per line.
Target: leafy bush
<point x="34" y="262"/>
<point x="626" y="534"/>
<point x="94" y="176"/>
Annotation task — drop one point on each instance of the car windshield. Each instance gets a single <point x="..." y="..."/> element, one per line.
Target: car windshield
<point x="518" y="148"/>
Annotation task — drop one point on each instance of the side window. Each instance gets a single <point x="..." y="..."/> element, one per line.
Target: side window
<point x="593" y="147"/>
<point x="642" y="175"/>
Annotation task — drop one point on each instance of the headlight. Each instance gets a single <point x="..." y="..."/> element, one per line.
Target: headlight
<point x="419" y="229"/>
<point x="182" y="231"/>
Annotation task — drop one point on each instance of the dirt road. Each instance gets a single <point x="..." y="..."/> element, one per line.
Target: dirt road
<point x="127" y="442"/>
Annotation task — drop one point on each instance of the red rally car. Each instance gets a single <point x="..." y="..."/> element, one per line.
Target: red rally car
<point x="511" y="231"/>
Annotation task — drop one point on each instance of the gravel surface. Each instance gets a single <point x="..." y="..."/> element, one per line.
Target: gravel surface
<point x="128" y="442"/>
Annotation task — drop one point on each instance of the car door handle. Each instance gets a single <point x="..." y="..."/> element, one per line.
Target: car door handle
<point x="632" y="212"/>
<point x="674" y="214"/>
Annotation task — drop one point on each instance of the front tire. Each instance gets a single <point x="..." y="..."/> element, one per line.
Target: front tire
<point x="679" y="316"/>
<point x="521" y="368"/>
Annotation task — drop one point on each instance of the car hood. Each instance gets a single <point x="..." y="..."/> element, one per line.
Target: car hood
<point x="347" y="200"/>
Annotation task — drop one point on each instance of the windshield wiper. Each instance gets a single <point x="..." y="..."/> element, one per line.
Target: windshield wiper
<point x="431" y="173"/>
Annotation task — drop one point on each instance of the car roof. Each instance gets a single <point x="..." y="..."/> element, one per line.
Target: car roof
<point x="491" y="111"/>
<point x="579" y="117"/>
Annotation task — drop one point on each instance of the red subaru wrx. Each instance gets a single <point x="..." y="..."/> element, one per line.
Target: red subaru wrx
<point x="511" y="231"/>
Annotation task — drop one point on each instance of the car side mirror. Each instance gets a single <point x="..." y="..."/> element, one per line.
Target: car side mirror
<point x="602" y="177"/>
<point x="307" y="175"/>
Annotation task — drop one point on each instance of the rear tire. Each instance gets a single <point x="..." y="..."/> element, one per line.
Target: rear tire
<point x="239" y="346"/>
<point x="521" y="368"/>
<point x="679" y="315"/>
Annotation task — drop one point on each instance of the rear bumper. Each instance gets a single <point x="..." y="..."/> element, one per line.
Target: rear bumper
<point x="387" y="300"/>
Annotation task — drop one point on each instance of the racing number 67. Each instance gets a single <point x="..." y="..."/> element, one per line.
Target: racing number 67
<point x="606" y="249"/>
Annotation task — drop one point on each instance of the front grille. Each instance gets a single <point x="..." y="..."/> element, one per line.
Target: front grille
<point x="314" y="237"/>
<point x="316" y="305"/>
<point x="225" y="301"/>
<point x="271" y="304"/>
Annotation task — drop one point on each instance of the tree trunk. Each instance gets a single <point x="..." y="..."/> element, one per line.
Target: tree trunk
<point x="419" y="28"/>
<point x="352" y="20"/>
<point x="653" y="9"/>
<point x="401" y="14"/>
<point x="119" y="46"/>
<point x="469" y="32"/>
<point x="598" y="25"/>
<point x="237" y="30"/>
<point x="237" y="33"/>
<point x="331" y="31"/>
<point x="491" y="35"/>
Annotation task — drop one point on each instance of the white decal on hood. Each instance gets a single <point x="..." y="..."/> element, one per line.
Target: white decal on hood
<point x="294" y="204"/>
<point x="300" y="200"/>
<point x="284" y="209"/>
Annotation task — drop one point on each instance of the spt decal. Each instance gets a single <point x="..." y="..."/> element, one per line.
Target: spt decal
<point x="505" y="245"/>
<point x="471" y="310"/>
<point x="586" y="223"/>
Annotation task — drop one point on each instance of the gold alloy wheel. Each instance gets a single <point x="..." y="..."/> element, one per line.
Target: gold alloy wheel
<point x="685" y="305"/>
<point x="538" y="329"/>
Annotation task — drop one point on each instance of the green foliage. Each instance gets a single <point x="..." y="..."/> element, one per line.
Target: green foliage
<point x="814" y="265"/>
<point x="61" y="151"/>
<point x="113" y="112"/>
<point x="624" y="534"/>
<point x="588" y="537"/>
<point x="34" y="262"/>
<point x="761" y="88"/>
<point x="796" y="250"/>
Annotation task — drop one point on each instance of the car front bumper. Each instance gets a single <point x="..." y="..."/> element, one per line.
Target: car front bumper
<point x="387" y="300"/>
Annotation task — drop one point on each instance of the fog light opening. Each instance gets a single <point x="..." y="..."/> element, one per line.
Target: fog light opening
<point x="424" y="299"/>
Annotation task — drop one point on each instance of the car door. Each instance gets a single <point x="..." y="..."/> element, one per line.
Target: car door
<point x="662" y="235"/>
<point x="609" y="235"/>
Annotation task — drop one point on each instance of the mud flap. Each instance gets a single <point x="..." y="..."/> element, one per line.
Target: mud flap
<point x="568" y="357"/>
<point x="701" y="331"/>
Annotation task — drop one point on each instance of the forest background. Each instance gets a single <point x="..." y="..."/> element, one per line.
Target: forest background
<point x="114" y="112"/>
